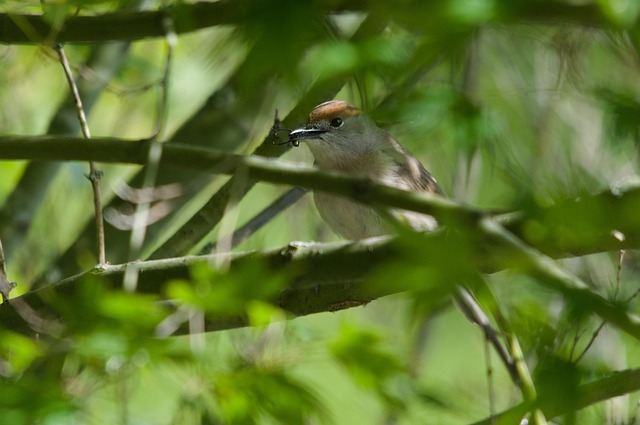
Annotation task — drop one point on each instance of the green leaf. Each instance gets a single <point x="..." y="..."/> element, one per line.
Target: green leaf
<point x="247" y="393"/>
<point x="227" y="294"/>
<point x="360" y="352"/>
<point x="17" y="352"/>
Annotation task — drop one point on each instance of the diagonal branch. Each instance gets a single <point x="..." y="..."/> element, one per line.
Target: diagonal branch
<point x="259" y="220"/>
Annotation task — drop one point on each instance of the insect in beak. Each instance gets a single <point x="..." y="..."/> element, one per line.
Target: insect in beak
<point x="295" y="142"/>
<point x="277" y="128"/>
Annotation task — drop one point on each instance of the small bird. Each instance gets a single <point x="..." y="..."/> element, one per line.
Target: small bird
<point x="342" y="138"/>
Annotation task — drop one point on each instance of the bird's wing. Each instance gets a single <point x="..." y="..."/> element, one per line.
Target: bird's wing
<point x="412" y="171"/>
<point x="427" y="182"/>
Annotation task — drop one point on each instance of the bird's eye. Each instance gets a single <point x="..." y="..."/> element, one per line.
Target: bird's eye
<point x="336" y="122"/>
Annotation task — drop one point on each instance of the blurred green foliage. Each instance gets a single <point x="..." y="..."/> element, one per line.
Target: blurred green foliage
<point x="510" y="104"/>
<point x="206" y="288"/>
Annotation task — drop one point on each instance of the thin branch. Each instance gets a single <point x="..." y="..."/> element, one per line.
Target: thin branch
<point x="632" y="296"/>
<point x="525" y="382"/>
<point x="138" y="231"/>
<point x="594" y="335"/>
<point x="576" y="339"/>
<point x="474" y="314"/>
<point x="526" y="259"/>
<point x="27" y="317"/>
<point x="94" y="173"/>
<point x="5" y="286"/>
<point x="513" y="359"/>
<point x="616" y="293"/>
<point x="491" y="395"/>
<point x="259" y="168"/>
<point x="31" y="29"/>
<point x="619" y="273"/>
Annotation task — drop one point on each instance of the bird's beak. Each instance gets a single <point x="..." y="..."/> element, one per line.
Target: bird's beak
<point x="304" y="133"/>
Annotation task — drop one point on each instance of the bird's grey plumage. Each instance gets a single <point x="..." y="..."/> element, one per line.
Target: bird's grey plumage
<point x="343" y="139"/>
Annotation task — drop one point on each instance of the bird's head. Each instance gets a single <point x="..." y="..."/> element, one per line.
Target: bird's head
<point x="338" y="131"/>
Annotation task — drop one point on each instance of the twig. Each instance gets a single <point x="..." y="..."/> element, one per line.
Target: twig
<point x="515" y="363"/>
<point x="513" y="345"/>
<point x="473" y="312"/>
<point x="489" y="368"/>
<point x="594" y="335"/>
<point x="618" y="275"/>
<point x="520" y="369"/>
<point x="154" y="156"/>
<point x="576" y="339"/>
<point x="89" y="74"/>
<point x="114" y="150"/>
<point x="94" y="174"/>
<point x="5" y="285"/>
<point x="632" y="296"/>
<point x="549" y="274"/>
<point x="22" y="308"/>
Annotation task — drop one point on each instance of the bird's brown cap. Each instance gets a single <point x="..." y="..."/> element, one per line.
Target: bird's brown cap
<point x="333" y="109"/>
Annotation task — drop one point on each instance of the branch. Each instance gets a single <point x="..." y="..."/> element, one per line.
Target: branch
<point x="329" y="277"/>
<point x="258" y="168"/>
<point x="34" y="29"/>
<point x="564" y="229"/>
<point x="130" y="26"/>
<point x="620" y="383"/>
<point x="318" y="282"/>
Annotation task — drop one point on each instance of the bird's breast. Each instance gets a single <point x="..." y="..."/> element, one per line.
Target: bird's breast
<point x="348" y="218"/>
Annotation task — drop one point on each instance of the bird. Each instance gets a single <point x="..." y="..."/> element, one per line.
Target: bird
<point x="342" y="138"/>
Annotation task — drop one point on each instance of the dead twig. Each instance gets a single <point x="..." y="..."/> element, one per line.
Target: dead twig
<point x="94" y="174"/>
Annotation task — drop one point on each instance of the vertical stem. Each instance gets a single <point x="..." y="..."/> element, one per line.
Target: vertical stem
<point x="94" y="173"/>
<point x="5" y="285"/>
<point x="139" y="228"/>
<point x="490" y="389"/>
